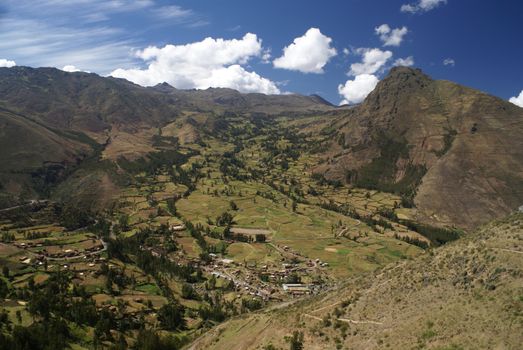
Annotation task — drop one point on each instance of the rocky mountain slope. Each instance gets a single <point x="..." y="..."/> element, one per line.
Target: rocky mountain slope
<point x="465" y="295"/>
<point x="457" y="152"/>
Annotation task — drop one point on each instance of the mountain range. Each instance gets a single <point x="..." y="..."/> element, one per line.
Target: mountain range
<point x="453" y="153"/>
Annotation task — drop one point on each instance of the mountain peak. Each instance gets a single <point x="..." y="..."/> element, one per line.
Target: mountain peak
<point x="401" y="81"/>
<point x="164" y="87"/>
<point x="406" y="76"/>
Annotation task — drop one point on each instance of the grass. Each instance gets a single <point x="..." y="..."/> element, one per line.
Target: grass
<point x="149" y="288"/>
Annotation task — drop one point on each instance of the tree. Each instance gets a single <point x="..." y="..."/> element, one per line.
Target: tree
<point x="260" y="238"/>
<point x="233" y="205"/>
<point x="171" y="316"/>
<point x="188" y="292"/>
<point x="293" y="278"/>
<point x="73" y="218"/>
<point x="5" y="271"/>
<point x="4" y="289"/>
<point x="225" y="219"/>
<point x="296" y="341"/>
<point x="123" y="221"/>
<point x="171" y="206"/>
<point x="294" y="206"/>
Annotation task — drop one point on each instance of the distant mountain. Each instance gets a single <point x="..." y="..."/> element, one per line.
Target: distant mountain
<point x="51" y="121"/>
<point x="456" y="152"/>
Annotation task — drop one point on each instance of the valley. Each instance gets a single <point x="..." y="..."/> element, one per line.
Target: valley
<point x="214" y="219"/>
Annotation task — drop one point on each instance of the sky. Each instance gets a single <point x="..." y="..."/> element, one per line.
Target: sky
<point x="338" y="49"/>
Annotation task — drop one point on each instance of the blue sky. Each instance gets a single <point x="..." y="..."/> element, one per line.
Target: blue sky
<point x="341" y="47"/>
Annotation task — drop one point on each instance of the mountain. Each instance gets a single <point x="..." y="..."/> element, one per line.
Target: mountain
<point x="454" y="154"/>
<point x="465" y="295"/>
<point x="457" y="153"/>
<point x="253" y="220"/>
<point x="52" y="121"/>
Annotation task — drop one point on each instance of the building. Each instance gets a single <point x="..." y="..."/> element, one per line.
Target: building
<point x="296" y="289"/>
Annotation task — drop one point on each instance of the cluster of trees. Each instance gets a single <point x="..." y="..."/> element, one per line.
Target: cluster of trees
<point x="217" y="310"/>
<point x="294" y="191"/>
<point x="7" y="237"/>
<point x="72" y="217"/>
<point x="115" y="276"/>
<point x="53" y="334"/>
<point x="413" y="241"/>
<point x="36" y="234"/>
<point x="186" y="177"/>
<point x="437" y="235"/>
<point x="54" y="306"/>
<point x="154" y="162"/>
<point x="231" y="166"/>
<point x="225" y="219"/>
<point x="171" y="316"/>
<point x="321" y="180"/>
<point x="149" y="339"/>
<point x="251" y="304"/>
<point x="131" y="250"/>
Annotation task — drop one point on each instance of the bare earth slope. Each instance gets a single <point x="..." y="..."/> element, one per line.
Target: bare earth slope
<point x="465" y="295"/>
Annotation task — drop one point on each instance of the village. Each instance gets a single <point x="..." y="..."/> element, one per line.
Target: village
<point x="291" y="276"/>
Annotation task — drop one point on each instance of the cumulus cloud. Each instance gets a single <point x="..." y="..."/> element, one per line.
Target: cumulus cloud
<point x="372" y="61"/>
<point x="207" y="63"/>
<point x="405" y="62"/>
<point x="518" y="101"/>
<point x="70" y="69"/>
<point x="7" y="63"/>
<point x="308" y="53"/>
<point x="422" y="6"/>
<point x="449" y="62"/>
<point x="355" y="91"/>
<point x="391" y="37"/>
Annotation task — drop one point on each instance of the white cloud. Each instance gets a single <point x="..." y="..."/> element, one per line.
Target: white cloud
<point x="266" y="56"/>
<point x="449" y="62"/>
<point x="172" y="12"/>
<point x="355" y="91"/>
<point x="405" y="62"/>
<point x="37" y="44"/>
<point x="422" y="6"/>
<point x="308" y="53"/>
<point x="70" y="69"/>
<point x="372" y="61"/>
<point x="7" y="63"/>
<point x="178" y="15"/>
<point x="207" y="63"/>
<point x="55" y="33"/>
<point x="518" y="101"/>
<point x="391" y="37"/>
<point x="346" y="51"/>
<point x="90" y="10"/>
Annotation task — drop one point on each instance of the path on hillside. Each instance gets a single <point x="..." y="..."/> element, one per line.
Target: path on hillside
<point x="31" y="202"/>
<point x="509" y="250"/>
<point x="348" y="320"/>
